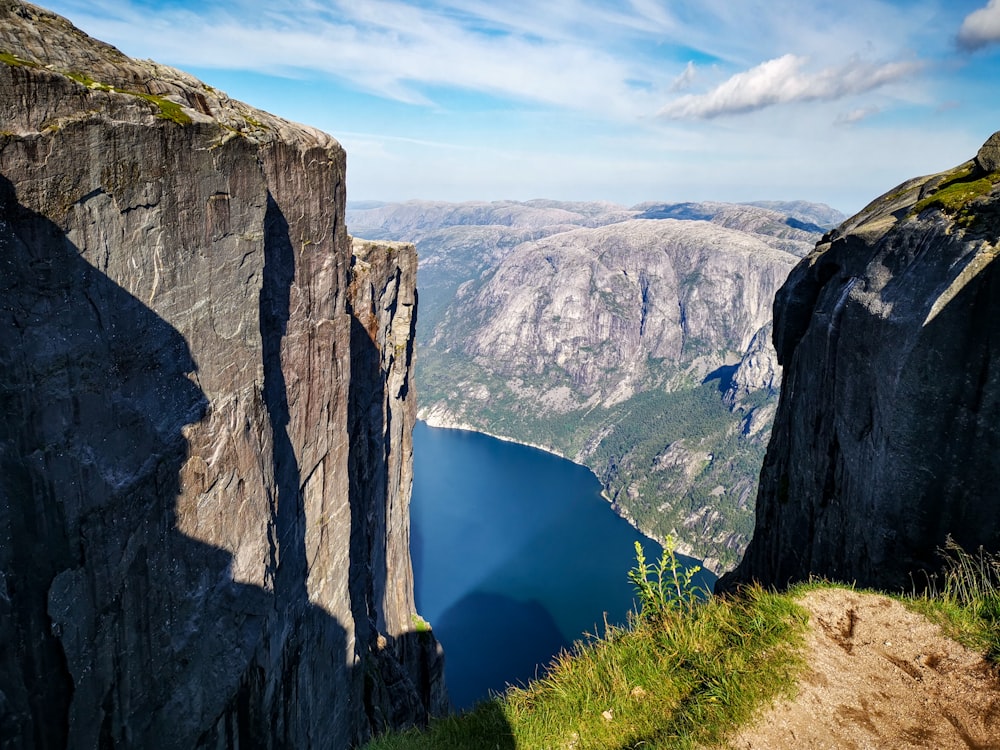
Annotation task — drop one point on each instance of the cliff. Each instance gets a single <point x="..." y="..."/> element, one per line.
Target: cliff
<point x="885" y="439"/>
<point x="204" y="456"/>
<point x="634" y="341"/>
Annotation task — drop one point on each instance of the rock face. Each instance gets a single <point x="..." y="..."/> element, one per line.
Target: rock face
<point x="602" y="308"/>
<point x="886" y="440"/>
<point x="610" y="335"/>
<point x="204" y="456"/>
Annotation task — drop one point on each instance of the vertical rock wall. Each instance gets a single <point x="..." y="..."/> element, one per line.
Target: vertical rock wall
<point x="203" y="515"/>
<point x="885" y="440"/>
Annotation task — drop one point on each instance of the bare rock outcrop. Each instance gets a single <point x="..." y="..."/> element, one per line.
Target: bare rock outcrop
<point x="601" y="307"/>
<point x="204" y="456"/>
<point x="885" y="440"/>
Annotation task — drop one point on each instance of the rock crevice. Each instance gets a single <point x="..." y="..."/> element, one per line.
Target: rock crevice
<point x="204" y="457"/>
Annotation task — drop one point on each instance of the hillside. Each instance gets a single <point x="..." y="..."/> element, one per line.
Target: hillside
<point x="635" y="341"/>
<point x="820" y="667"/>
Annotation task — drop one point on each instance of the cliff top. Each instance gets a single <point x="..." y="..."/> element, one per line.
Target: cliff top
<point x="32" y="38"/>
<point x="962" y="193"/>
<point x="879" y="675"/>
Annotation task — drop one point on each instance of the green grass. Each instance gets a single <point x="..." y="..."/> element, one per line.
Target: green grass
<point x="965" y="599"/>
<point x="674" y="677"/>
<point x="687" y="671"/>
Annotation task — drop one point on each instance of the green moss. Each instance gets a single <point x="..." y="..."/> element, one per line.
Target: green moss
<point x="956" y="194"/>
<point x="254" y="122"/>
<point x="168" y="110"/>
<point x="15" y="61"/>
<point x="420" y="624"/>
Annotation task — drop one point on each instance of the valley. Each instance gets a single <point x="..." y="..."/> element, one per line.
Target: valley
<point x="634" y="341"/>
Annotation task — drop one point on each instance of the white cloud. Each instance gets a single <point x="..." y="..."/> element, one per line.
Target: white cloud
<point x="685" y="79"/>
<point x="981" y="27"/>
<point x="857" y="115"/>
<point x="783" y="81"/>
<point x="403" y="51"/>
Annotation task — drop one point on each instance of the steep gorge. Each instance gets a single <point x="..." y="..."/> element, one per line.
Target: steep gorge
<point x="633" y="341"/>
<point x="204" y="456"/>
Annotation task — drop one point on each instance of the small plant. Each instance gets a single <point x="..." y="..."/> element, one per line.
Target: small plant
<point x="965" y="597"/>
<point x="969" y="578"/>
<point x="666" y="584"/>
<point x="420" y="624"/>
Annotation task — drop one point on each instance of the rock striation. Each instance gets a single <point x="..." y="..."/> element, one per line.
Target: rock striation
<point x="885" y="440"/>
<point x="206" y="399"/>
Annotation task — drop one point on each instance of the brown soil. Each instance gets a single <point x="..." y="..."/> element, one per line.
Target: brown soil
<point x="881" y="678"/>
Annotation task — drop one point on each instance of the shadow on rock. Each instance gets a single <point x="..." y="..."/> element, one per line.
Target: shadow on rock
<point x="116" y="629"/>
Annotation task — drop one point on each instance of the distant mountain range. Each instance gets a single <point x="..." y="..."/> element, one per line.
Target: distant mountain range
<point x="632" y="340"/>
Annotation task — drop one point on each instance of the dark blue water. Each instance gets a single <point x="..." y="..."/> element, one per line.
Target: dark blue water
<point x="516" y="555"/>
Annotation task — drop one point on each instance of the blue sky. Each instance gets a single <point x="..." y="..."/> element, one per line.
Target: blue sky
<point x="590" y="100"/>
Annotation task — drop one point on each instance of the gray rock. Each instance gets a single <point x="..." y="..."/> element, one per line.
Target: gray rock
<point x="757" y="371"/>
<point x="205" y="462"/>
<point x="988" y="157"/>
<point x="885" y="440"/>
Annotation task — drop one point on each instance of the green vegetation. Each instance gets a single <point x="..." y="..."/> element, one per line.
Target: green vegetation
<point x="954" y="196"/>
<point x="666" y="584"/>
<point x="254" y="123"/>
<point x="687" y="671"/>
<point x="15" y="61"/>
<point x="965" y="598"/>
<point x="681" y="673"/>
<point x="168" y="110"/>
<point x="420" y="624"/>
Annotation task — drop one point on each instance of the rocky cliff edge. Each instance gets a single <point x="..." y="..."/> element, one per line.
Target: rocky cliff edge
<point x="204" y="450"/>
<point x="885" y="440"/>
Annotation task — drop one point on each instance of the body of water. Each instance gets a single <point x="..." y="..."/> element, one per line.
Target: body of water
<point x="516" y="555"/>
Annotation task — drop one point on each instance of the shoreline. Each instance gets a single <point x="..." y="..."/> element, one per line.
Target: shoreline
<point x="436" y="421"/>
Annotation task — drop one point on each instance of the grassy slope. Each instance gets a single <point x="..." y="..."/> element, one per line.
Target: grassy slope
<point x="672" y="680"/>
<point x="686" y="672"/>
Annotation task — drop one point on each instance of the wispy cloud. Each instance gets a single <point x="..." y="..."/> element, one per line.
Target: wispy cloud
<point x="409" y="52"/>
<point x="783" y="81"/>
<point x="981" y="27"/>
<point x="466" y="98"/>
<point x="685" y="79"/>
<point x="857" y="115"/>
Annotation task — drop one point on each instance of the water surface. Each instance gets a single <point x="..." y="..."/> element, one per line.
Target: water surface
<point x="516" y="555"/>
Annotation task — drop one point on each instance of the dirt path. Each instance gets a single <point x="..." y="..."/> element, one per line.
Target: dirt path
<point x="881" y="678"/>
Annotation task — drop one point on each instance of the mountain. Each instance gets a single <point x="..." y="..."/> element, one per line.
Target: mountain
<point x="885" y="441"/>
<point x="204" y="452"/>
<point x="626" y="339"/>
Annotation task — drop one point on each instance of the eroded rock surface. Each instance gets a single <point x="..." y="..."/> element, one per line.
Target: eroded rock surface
<point x="885" y="440"/>
<point x="204" y="456"/>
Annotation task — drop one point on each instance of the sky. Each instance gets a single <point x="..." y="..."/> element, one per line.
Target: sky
<point x="640" y="100"/>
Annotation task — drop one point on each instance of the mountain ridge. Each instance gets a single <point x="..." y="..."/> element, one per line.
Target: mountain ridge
<point x="519" y="321"/>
